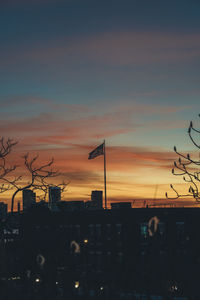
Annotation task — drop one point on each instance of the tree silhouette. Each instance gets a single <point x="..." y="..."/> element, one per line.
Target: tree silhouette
<point x="5" y="170"/>
<point x="188" y="168"/>
<point x="39" y="174"/>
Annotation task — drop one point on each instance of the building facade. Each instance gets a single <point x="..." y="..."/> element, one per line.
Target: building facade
<point x="3" y="210"/>
<point x="96" y="201"/>
<point x="28" y="199"/>
<point x="109" y="253"/>
<point x="54" y="197"/>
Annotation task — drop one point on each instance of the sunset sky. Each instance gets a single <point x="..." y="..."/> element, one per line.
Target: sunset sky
<point x="75" y="72"/>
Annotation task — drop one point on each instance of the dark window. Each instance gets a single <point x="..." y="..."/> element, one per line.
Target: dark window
<point x="180" y="232"/>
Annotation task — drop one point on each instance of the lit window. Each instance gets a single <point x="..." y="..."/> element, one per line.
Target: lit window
<point x="144" y="231"/>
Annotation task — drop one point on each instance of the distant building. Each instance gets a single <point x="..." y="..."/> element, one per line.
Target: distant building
<point x="71" y="205"/>
<point x="3" y="210"/>
<point x="28" y="198"/>
<point x="54" y="197"/>
<point x="18" y="207"/>
<point x="96" y="200"/>
<point x="121" y="205"/>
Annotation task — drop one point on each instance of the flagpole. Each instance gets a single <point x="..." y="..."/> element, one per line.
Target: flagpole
<point x="105" y="196"/>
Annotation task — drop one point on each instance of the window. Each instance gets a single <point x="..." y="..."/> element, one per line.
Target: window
<point x="77" y="231"/>
<point x="162" y="231"/>
<point x="92" y="257"/>
<point x="109" y="257"/>
<point x="91" y="233"/>
<point x="144" y="232"/>
<point x="91" y="229"/>
<point x="180" y="232"/>
<point x="108" y="231"/>
<point x="98" y="230"/>
<point x="99" y="257"/>
<point x="119" y="257"/>
<point x="119" y="228"/>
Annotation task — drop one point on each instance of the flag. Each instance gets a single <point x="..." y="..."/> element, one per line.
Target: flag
<point x="97" y="151"/>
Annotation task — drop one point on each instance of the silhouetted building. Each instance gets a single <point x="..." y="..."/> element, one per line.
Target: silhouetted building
<point x="71" y="205"/>
<point x="54" y="197"/>
<point x="28" y="198"/>
<point x="3" y="210"/>
<point x="121" y="205"/>
<point x="18" y="207"/>
<point x="96" y="200"/>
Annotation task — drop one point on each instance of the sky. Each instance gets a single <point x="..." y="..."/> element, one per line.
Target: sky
<point x="73" y="73"/>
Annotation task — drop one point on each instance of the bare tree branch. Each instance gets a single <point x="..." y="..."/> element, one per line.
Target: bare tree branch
<point x="187" y="167"/>
<point x="5" y="149"/>
<point x="39" y="174"/>
<point x="39" y="177"/>
<point x="6" y="146"/>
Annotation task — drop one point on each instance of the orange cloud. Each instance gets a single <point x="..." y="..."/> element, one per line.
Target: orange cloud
<point x="70" y="123"/>
<point x="132" y="171"/>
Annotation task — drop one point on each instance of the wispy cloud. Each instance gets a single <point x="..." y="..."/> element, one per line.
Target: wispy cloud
<point x="45" y="103"/>
<point x="64" y="123"/>
<point x="127" y="48"/>
<point x="115" y="48"/>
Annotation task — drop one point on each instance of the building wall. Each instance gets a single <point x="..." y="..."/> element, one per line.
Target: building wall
<point x="134" y="249"/>
<point x="54" y="197"/>
<point x="28" y="198"/>
<point x="3" y="210"/>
